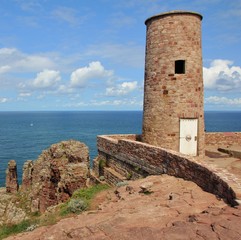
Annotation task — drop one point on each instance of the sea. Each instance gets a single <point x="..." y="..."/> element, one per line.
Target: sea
<point x="24" y="135"/>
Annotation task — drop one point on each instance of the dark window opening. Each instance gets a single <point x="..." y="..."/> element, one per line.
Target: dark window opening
<point x="180" y="67"/>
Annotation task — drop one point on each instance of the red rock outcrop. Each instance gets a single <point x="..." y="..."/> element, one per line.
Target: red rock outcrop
<point x="27" y="175"/>
<point x="56" y="174"/>
<point x="12" y="177"/>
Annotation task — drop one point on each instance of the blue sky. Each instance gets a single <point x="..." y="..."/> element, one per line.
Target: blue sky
<point x="89" y="54"/>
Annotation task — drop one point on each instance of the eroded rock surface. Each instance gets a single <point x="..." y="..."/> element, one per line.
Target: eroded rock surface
<point x="10" y="211"/>
<point x="27" y="175"/>
<point x="56" y="174"/>
<point x="175" y="209"/>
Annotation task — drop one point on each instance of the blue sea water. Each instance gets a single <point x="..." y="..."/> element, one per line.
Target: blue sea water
<point x="24" y="135"/>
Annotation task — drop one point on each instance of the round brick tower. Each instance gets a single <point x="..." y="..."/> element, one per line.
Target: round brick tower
<point x="173" y="116"/>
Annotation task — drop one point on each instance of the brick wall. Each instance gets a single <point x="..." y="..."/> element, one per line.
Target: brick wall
<point x="141" y="159"/>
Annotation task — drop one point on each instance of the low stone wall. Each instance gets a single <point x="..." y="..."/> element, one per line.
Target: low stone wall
<point x="134" y="137"/>
<point x="140" y="159"/>
<point x="223" y="138"/>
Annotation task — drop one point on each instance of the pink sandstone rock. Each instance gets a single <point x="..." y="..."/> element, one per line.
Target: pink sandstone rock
<point x="12" y="177"/>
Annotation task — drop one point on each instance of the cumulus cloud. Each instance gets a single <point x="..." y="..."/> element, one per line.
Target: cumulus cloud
<point x="14" y="60"/>
<point x="222" y="76"/>
<point x="121" y="89"/>
<point x="223" y="100"/>
<point x="95" y="70"/>
<point x="46" y="79"/>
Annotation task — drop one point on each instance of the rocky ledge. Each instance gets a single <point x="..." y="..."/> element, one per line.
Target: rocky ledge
<point x="157" y="207"/>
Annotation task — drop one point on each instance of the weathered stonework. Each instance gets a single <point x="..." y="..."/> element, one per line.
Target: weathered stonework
<point x="171" y="96"/>
<point x="223" y="138"/>
<point x="130" y="159"/>
<point x="12" y="177"/>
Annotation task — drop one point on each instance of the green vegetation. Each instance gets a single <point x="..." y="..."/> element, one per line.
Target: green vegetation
<point x="76" y="206"/>
<point x="79" y="202"/>
<point x="137" y="169"/>
<point x="7" y="230"/>
<point x="102" y="163"/>
<point x="129" y="175"/>
<point x="81" y="199"/>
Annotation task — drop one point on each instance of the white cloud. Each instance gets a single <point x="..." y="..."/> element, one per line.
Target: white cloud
<point x="4" y="69"/>
<point x="46" y="79"/>
<point x="223" y="100"/>
<point x="222" y="76"/>
<point x="33" y="63"/>
<point x="21" y="95"/>
<point x="3" y="100"/>
<point x="121" y="89"/>
<point x="95" y="71"/>
<point x="64" y="89"/>
<point x="13" y="60"/>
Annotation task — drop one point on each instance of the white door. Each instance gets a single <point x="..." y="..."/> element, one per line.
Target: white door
<point x="188" y="136"/>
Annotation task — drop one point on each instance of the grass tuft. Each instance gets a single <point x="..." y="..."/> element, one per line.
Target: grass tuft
<point x="81" y="199"/>
<point x="7" y="230"/>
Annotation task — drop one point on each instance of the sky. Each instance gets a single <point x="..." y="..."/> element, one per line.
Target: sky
<point x="60" y="55"/>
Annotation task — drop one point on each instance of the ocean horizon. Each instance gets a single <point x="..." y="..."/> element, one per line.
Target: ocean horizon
<point x="25" y="134"/>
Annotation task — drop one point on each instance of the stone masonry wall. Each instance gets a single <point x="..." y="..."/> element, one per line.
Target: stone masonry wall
<point x="223" y="138"/>
<point x="135" y="156"/>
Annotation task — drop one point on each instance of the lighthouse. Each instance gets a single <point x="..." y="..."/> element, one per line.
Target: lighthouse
<point x="173" y="114"/>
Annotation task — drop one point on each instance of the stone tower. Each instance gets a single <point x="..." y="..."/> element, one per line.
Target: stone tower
<point x="173" y="115"/>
